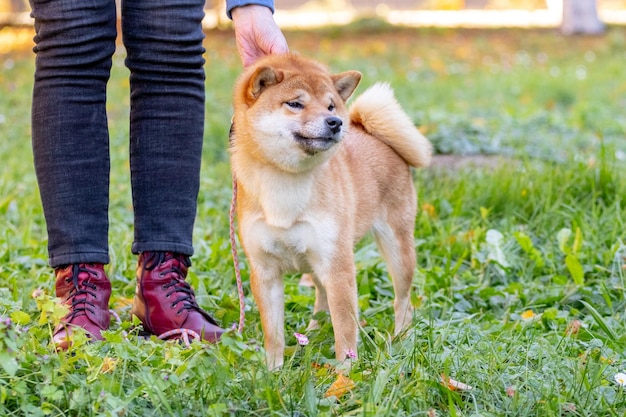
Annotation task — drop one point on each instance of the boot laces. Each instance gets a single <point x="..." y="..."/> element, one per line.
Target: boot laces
<point x="83" y="289"/>
<point x="172" y="266"/>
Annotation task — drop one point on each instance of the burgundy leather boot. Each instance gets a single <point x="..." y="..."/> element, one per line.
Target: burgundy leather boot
<point x="86" y="290"/>
<point x="165" y="303"/>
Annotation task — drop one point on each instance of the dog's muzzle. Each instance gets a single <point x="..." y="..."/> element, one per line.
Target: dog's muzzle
<point x="330" y="135"/>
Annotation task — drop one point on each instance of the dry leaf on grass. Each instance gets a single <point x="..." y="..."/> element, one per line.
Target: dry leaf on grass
<point x="340" y="387"/>
<point x="454" y="385"/>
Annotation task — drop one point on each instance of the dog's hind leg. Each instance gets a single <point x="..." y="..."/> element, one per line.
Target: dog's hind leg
<point x="397" y="247"/>
<point x="306" y="281"/>
<point x="321" y="301"/>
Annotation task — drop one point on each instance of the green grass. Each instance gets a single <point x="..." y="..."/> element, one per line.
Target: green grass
<point x="511" y="257"/>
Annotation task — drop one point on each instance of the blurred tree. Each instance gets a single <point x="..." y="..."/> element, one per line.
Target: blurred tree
<point x="581" y="17"/>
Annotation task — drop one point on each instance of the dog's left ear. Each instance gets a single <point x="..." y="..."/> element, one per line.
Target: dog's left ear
<point x="346" y="82"/>
<point x="262" y="78"/>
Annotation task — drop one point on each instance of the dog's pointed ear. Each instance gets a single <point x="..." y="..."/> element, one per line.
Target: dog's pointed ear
<point x="262" y="78"/>
<point x="346" y="83"/>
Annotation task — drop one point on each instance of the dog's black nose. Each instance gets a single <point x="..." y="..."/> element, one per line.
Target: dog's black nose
<point x="334" y="124"/>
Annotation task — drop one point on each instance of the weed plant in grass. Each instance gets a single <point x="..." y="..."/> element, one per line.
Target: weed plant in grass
<point x="519" y="291"/>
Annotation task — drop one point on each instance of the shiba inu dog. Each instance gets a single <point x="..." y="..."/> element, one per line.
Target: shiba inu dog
<point x="313" y="178"/>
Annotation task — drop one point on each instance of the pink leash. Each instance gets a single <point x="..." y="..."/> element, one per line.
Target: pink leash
<point x="233" y="248"/>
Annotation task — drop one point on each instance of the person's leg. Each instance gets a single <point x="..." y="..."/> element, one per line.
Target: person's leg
<point x="165" y="56"/>
<point x="163" y="41"/>
<point x="75" y="40"/>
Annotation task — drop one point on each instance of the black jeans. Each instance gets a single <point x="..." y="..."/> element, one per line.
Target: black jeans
<point x="75" y="41"/>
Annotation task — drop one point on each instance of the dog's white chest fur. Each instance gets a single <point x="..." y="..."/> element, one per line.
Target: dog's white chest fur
<point x="288" y="228"/>
<point x="302" y="247"/>
<point x="283" y="201"/>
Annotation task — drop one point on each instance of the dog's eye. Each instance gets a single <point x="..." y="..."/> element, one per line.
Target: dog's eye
<point x="295" y="104"/>
<point x="331" y="107"/>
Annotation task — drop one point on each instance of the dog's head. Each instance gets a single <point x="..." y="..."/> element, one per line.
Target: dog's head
<point x="290" y="111"/>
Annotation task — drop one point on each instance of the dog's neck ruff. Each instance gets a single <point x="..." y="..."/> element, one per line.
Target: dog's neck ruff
<point x="281" y="197"/>
<point x="283" y="202"/>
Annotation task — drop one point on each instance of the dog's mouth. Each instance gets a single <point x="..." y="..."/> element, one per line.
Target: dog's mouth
<point x="316" y="144"/>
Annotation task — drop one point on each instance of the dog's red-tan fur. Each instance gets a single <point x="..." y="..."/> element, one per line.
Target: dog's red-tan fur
<point x="309" y="190"/>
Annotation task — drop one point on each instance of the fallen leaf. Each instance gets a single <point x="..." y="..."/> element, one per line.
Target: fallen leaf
<point x="454" y="385"/>
<point x="340" y="387"/>
<point x="108" y="364"/>
<point x="573" y="327"/>
<point x="316" y="365"/>
<point x="429" y="209"/>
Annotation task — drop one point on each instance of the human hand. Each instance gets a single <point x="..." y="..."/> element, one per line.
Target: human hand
<point x="256" y="33"/>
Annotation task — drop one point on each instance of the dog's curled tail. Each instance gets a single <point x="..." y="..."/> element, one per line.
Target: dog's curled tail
<point x="380" y="114"/>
